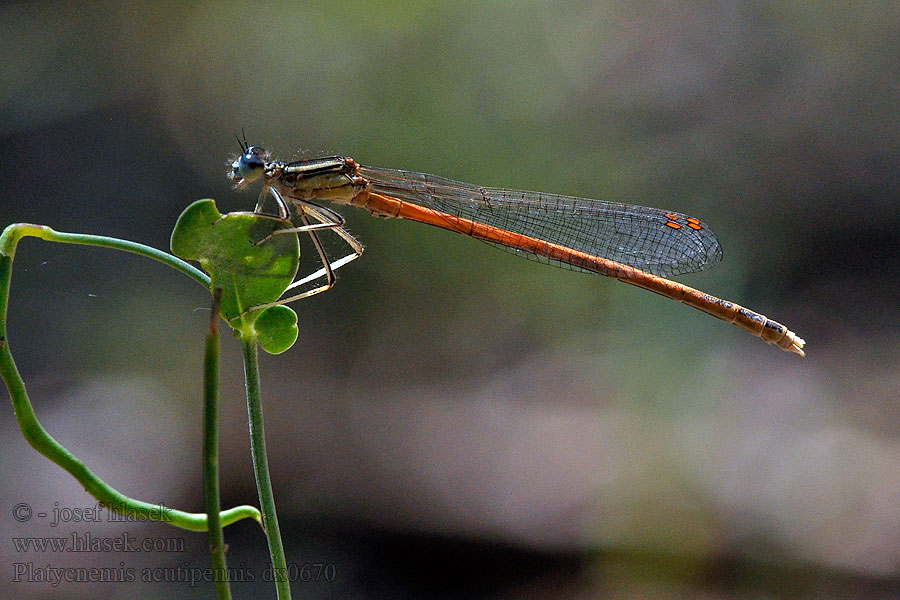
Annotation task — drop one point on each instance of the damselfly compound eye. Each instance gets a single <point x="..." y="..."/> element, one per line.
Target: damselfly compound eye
<point x="249" y="166"/>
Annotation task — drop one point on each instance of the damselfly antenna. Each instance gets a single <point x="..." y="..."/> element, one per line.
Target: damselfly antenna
<point x="242" y="143"/>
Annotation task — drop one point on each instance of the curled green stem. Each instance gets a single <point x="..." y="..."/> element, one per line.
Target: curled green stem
<point x="31" y="428"/>
<point x="12" y="234"/>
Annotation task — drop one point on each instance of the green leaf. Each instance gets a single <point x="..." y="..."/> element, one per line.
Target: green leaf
<point x="276" y="327"/>
<point x="250" y="273"/>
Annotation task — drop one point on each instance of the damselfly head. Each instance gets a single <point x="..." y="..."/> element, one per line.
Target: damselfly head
<point x="249" y="166"/>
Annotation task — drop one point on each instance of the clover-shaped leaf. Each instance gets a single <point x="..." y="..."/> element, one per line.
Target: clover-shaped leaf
<point x="277" y="329"/>
<point x="250" y="273"/>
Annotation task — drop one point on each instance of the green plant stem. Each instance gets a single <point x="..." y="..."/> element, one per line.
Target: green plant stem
<point x="211" y="452"/>
<point x="261" y="467"/>
<point x="13" y="233"/>
<point x="27" y="420"/>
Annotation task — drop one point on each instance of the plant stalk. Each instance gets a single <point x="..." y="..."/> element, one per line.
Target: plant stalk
<point x="211" y="453"/>
<point x="261" y="468"/>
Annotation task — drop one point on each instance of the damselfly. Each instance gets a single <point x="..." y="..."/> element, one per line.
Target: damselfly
<point x="636" y="244"/>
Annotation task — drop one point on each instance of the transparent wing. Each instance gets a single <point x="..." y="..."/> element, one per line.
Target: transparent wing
<point x="656" y="241"/>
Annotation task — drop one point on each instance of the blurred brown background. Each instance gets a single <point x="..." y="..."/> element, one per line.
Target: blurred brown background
<point x="455" y="422"/>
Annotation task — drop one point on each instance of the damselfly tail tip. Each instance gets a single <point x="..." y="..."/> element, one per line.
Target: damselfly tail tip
<point x="793" y="343"/>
